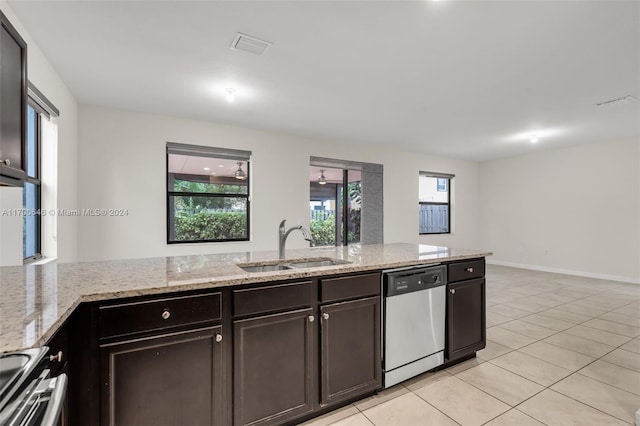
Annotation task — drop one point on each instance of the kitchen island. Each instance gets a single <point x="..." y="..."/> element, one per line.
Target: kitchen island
<point x="144" y="322"/>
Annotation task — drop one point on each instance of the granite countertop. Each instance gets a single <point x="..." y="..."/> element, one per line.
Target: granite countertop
<point x="36" y="299"/>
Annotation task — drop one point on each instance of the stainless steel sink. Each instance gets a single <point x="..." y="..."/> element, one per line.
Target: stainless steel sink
<point x="291" y="264"/>
<point x="315" y="263"/>
<point x="264" y="268"/>
<point x="16" y="367"/>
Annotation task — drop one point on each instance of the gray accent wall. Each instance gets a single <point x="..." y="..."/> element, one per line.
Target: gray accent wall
<point x="371" y="228"/>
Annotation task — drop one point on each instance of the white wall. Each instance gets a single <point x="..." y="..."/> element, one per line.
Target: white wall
<point x="62" y="234"/>
<point x="10" y="226"/>
<point x="570" y="210"/>
<point x="122" y="165"/>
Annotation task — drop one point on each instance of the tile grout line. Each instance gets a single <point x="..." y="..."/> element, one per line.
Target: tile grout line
<point x="581" y="402"/>
<point x="614" y="348"/>
<point x="541" y="279"/>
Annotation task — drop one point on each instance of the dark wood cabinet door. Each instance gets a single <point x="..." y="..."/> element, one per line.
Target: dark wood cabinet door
<point x="59" y="350"/>
<point x="274" y="367"/>
<point x="350" y="352"/>
<point x="13" y="100"/>
<point x="466" y="318"/>
<point x="172" y="379"/>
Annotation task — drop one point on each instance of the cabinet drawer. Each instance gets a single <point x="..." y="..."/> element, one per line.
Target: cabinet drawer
<point x="349" y="287"/>
<point x="461" y="271"/>
<point x="273" y="298"/>
<point x="135" y="317"/>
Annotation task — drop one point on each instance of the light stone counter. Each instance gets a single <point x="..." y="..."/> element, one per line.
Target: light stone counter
<point x="35" y="300"/>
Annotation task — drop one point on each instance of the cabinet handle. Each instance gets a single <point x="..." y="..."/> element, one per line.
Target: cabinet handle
<point x="452" y="291"/>
<point x="218" y="337"/>
<point x="166" y="314"/>
<point x="469" y="269"/>
<point x="325" y="315"/>
<point x="57" y="357"/>
<point x="7" y="162"/>
<point x="311" y="318"/>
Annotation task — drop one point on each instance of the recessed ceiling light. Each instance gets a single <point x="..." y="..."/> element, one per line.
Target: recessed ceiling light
<point x="220" y="165"/>
<point x="206" y="169"/>
<point x="538" y="135"/>
<point x="231" y="94"/>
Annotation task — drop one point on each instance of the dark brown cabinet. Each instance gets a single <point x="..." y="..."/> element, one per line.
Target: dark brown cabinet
<point x="161" y="362"/>
<point x="168" y="380"/>
<point x="274" y="367"/>
<point x="466" y="309"/>
<point x="274" y="358"/>
<point x="350" y="349"/>
<point x="13" y="103"/>
<point x="257" y="354"/>
<point x="58" y="364"/>
<point x="305" y="346"/>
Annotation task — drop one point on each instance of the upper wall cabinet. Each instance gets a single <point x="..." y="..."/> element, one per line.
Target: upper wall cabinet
<point x="13" y="103"/>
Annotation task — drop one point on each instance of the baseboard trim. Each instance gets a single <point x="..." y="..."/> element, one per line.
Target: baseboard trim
<point x="619" y="278"/>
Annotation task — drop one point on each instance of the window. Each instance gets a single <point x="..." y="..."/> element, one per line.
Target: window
<point x="345" y="202"/>
<point x="40" y="135"/>
<point x="208" y="195"/>
<point x="31" y="189"/>
<point x="435" y="203"/>
<point x="332" y="209"/>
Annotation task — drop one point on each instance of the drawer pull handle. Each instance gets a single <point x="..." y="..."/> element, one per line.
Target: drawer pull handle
<point x="312" y="318"/>
<point x="166" y="314"/>
<point x="325" y="315"/>
<point x="57" y="357"/>
<point x="452" y="291"/>
<point x="7" y="162"/>
<point x="469" y="269"/>
<point x="218" y="337"/>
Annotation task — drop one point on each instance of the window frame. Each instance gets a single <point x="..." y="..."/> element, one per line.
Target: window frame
<point x="42" y="107"/>
<point x="437" y="176"/>
<point x="213" y="152"/>
<point x="34" y="179"/>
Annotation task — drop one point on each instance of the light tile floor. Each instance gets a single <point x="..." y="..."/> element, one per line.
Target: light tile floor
<point x="561" y="350"/>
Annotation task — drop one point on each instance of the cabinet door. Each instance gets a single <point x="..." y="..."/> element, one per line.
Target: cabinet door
<point x="350" y="353"/>
<point x="13" y="100"/>
<point x="273" y="367"/>
<point x="466" y="330"/>
<point x="59" y="351"/>
<point x="172" y="379"/>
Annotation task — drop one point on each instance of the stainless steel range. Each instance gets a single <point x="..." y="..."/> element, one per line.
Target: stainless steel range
<point x="414" y="321"/>
<point x="28" y="396"/>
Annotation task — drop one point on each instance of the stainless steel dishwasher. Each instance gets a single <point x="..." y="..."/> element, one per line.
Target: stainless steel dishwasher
<point x="414" y="321"/>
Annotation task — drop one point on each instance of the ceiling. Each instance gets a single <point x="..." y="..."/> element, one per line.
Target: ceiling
<point x="464" y="79"/>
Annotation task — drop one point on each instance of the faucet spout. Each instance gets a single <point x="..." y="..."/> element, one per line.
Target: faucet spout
<point x="283" y="233"/>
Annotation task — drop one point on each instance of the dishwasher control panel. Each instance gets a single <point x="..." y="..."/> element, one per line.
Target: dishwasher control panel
<point x="415" y="279"/>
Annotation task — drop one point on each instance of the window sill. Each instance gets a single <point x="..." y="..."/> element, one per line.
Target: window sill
<point x="41" y="261"/>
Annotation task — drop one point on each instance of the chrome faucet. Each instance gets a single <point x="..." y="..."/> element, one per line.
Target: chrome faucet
<point x="282" y="236"/>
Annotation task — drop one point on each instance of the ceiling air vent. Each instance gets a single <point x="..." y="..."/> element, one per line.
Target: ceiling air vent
<point x="615" y="103"/>
<point x="249" y="44"/>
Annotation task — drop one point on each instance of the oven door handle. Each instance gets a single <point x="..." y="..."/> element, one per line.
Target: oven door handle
<point x="56" y="401"/>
